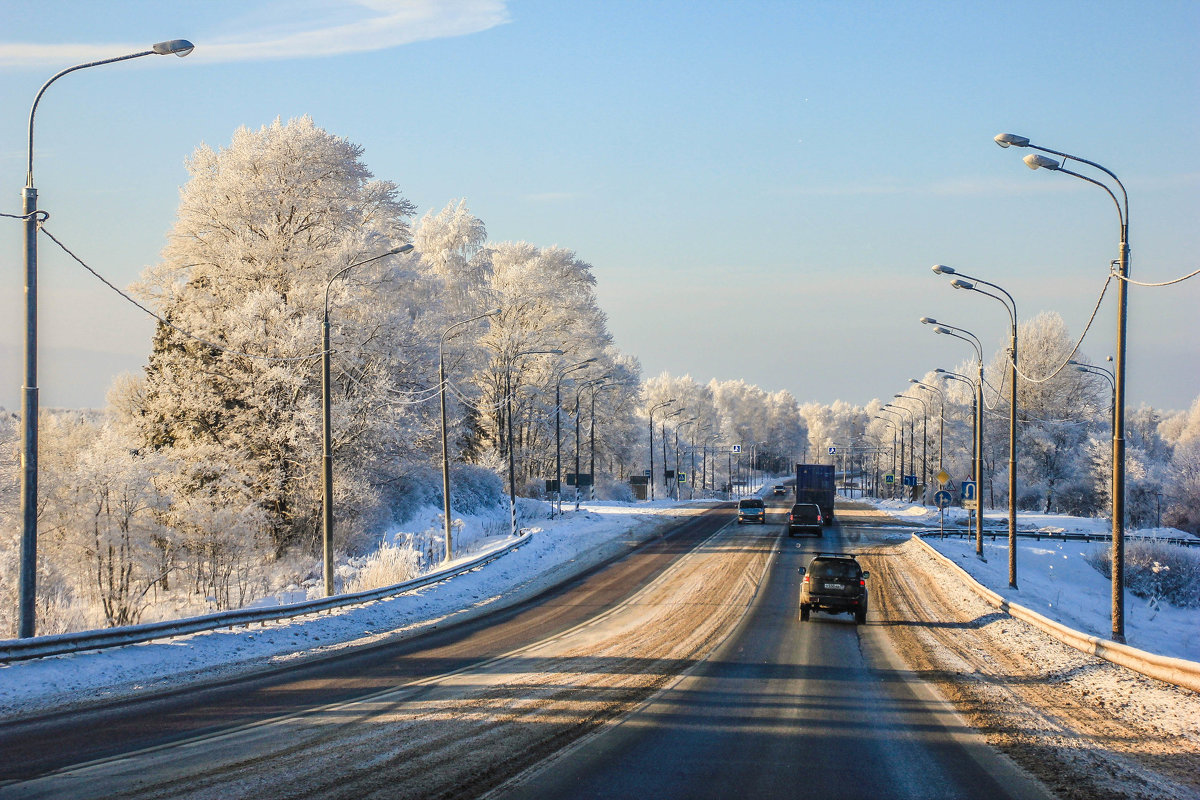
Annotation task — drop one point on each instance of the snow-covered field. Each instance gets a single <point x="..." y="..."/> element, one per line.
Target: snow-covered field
<point x="1055" y="579"/>
<point x="560" y="547"/>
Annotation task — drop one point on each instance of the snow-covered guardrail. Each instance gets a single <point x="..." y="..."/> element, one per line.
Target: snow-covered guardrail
<point x="62" y="643"/>
<point x="994" y="533"/>
<point x="1178" y="671"/>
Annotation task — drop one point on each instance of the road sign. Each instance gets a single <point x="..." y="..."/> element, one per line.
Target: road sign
<point x="910" y="480"/>
<point x="668" y="475"/>
<point x="552" y="485"/>
<point x="943" y="477"/>
<point x="832" y="451"/>
<point x="646" y="472"/>
<point x="969" y="497"/>
<point x="737" y="448"/>
<point x="942" y="499"/>
<point x="639" y="480"/>
<point x="682" y="477"/>
<point x="889" y="478"/>
<point x="582" y="479"/>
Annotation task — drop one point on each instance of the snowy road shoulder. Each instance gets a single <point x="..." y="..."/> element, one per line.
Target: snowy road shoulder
<point x="559" y="549"/>
<point x="1056" y="580"/>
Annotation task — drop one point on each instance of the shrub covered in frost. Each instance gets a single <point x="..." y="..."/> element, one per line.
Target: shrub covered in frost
<point x="1156" y="571"/>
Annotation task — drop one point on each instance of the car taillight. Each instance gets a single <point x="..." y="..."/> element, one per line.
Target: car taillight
<point x="791" y="518"/>
<point x="819" y="518"/>
<point x="861" y="582"/>
<point x="806" y="579"/>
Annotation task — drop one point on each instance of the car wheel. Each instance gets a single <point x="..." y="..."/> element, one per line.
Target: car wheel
<point x="860" y="616"/>
<point x="820" y="533"/>
<point x="804" y="612"/>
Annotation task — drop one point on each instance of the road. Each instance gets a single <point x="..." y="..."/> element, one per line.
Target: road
<point x="680" y="670"/>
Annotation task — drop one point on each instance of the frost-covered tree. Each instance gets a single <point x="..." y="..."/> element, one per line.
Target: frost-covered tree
<point x="263" y="226"/>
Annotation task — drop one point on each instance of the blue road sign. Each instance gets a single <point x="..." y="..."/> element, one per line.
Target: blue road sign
<point x="942" y="499"/>
<point x="646" y="472"/>
<point x="889" y="478"/>
<point x="832" y="451"/>
<point x="969" y="497"/>
<point x="910" y="480"/>
<point x="737" y="448"/>
<point x="682" y="477"/>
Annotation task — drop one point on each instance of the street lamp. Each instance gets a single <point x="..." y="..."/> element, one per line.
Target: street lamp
<point x="558" y="430"/>
<point x="27" y="579"/>
<point x="895" y="428"/>
<point x="971" y="339"/>
<point x="924" y="436"/>
<point x="1011" y="307"/>
<point x="327" y="427"/>
<point x="663" y="404"/>
<point x="578" y="391"/>
<point x="974" y="414"/>
<point x="1107" y="374"/>
<point x="912" y="437"/>
<point x="592" y="431"/>
<point x="941" y="419"/>
<point x="512" y="468"/>
<point x="1035" y="161"/>
<point x="445" y="446"/>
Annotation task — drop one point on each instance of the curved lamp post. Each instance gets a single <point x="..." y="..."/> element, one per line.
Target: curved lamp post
<point x="663" y="404"/>
<point x="912" y="437"/>
<point x="579" y="391"/>
<point x="326" y="426"/>
<point x="968" y="283"/>
<point x="941" y="419"/>
<point x="512" y="467"/>
<point x="924" y="436"/>
<point x="954" y="376"/>
<point x="445" y="445"/>
<point x="895" y="428"/>
<point x="1036" y="161"/>
<point x="27" y="579"/>
<point x="558" y="430"/>
<point x="973" y="340"/>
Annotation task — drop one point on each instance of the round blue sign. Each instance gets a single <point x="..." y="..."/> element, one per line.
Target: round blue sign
<point x="942" y="499"/>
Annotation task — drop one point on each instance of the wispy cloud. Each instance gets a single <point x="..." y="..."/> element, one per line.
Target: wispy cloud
<point x="371" y="25"/>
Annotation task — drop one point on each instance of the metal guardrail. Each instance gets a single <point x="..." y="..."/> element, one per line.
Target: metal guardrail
<point x="1178" y="671"/>
<point x="63" y="643"/>
<point x="994" y="533"/>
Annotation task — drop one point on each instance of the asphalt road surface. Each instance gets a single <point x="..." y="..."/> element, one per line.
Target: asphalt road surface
<point x="679" y="671"/>
<point x="787" y="709"/>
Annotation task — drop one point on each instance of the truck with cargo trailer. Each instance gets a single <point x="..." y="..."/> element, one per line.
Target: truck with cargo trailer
<point x="814" y="484"/>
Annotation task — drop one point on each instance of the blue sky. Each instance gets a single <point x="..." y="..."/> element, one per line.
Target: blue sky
<point x="761" y="186"/>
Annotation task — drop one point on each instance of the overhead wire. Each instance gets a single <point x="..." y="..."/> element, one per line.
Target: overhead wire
<point x="168" y="323"/>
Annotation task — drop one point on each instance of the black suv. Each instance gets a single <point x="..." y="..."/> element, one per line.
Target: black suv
<point x="805" y="518"/>
<point x="751" y="509"/>
<point x="834" y="583"/>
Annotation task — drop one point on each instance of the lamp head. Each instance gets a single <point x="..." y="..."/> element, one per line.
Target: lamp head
<point x="942" y="269"/>
<point x="1010" y="140"/>
<point x="180" y="47"/>
<point x="1035" y="160"/>
<point x="913" y="380"/>
<point x="493" y="312"/>
<point x="928" y="321"/>
<point x="940" y="370"/>
<point x="959" y="283"/>
<point x="940" y="329"/>
<point x="404" y="248"/>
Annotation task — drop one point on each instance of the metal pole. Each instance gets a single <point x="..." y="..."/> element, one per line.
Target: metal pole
<point x="445" y="457"/>
<point x="326" y="458"/>
<point x="577" y="450"/>
<point x="27" y="574"/>
<point x="1118" y="487"/>
<point x="1012" y="460"/>
<point x="979" y="468"/>
<point x="558" y="445"/>
<point x="652" y="454"/>
<point x="512" y="468"/>
<point x="592" y="447"/>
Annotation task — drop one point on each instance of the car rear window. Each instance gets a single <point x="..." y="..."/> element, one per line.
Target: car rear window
<point x="835" y="569"/>
<point x="750" y="503"/>
<point x="806" y="511"/>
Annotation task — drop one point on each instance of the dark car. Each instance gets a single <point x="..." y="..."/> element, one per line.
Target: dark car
<point x="836" y="584"/>
<point x="751" y="509"/>
<point x="780" y="490"/>
<point x="805" y="518"/>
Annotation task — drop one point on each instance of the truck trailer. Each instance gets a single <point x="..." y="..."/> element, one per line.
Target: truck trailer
<point x="814" y="484"/>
